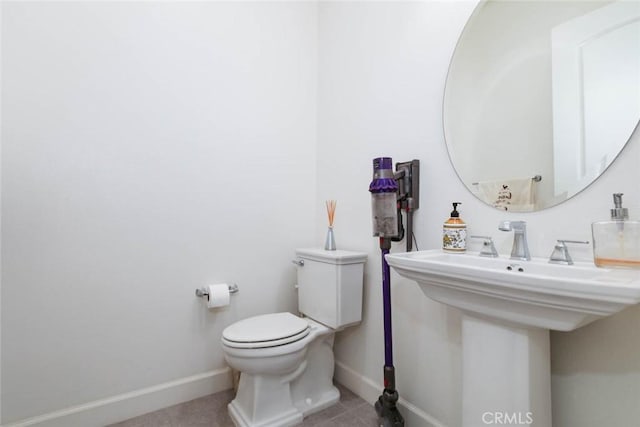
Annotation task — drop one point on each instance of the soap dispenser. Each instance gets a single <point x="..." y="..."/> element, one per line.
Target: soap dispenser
<point x="616" y="243"/>
<point x="454" y="232"/>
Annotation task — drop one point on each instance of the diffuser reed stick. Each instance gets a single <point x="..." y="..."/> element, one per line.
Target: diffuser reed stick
<point x="330" y="243"/>
<point x="331" y="211"/>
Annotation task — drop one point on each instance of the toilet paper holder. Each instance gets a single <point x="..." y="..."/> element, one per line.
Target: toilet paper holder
<point x="203" y="292"/>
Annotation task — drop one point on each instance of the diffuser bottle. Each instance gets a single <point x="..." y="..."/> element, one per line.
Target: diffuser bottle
<point x="330" y="241"/>
<point x="616" y="243"/>
<point x="454" y="232"/>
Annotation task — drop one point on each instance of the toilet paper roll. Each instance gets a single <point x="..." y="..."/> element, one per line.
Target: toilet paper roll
<point x="219" y="295"/>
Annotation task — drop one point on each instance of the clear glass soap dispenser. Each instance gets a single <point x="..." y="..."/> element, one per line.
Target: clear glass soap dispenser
<point x="616" y="243"/>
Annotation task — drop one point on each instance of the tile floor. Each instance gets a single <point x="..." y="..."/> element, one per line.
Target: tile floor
<point x="211" y="411"/>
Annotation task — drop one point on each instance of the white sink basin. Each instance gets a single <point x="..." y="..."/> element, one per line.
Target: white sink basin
<point x="529" y="293"/>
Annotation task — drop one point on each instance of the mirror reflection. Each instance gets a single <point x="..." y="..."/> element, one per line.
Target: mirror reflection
<point x="541" y="97"/>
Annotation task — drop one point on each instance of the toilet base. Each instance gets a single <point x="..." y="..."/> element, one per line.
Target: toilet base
<point x="291" y="417"/>
<point x="266" y="400"/>
<point x="309" y="406"/>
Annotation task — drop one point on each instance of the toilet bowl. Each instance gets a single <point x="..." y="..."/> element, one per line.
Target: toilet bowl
<point x="286" y="361"/>
<point x="271" y="344"/>
<point x="281" y="383"/>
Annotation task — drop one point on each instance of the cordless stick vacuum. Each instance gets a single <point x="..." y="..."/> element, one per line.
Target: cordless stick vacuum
<point x="386" y="226"/>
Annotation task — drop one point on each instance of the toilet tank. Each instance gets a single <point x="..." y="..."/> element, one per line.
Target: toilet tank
<point x="330" y="286"/>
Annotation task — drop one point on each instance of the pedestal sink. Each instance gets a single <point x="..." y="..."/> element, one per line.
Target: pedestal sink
<point x="508" y="309"/>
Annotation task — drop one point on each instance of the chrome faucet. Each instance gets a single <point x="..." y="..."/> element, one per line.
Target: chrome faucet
<point x="520" y="249"/>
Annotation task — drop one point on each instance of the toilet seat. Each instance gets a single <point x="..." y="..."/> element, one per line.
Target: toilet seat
<point x="268" y="330"/>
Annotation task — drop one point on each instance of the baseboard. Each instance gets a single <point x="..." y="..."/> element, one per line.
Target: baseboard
<point x="128" y="405"/>
<point x="370" y="390"/>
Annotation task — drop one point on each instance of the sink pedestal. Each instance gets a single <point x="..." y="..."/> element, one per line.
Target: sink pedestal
<point x="506" y="374"/>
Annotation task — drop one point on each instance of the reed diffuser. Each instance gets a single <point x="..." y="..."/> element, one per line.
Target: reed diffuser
<point x="330" y="243"/>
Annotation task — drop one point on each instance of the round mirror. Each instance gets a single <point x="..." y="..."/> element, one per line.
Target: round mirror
<point x="541" y="97"/>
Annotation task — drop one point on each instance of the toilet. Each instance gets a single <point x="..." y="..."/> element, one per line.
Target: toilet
<point x="286" y="361"/>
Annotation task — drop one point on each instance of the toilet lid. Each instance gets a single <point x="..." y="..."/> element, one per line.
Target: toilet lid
<point x="266" y="330"/>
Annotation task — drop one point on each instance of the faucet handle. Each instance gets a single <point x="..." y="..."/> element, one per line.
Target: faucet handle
<point x="563" y="241"/>
<point x="488" y="248"/>
<point x="560" y="254"/>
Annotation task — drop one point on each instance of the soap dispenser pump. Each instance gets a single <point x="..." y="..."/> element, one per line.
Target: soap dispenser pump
<point x="454" y="232"/>
<point x="616" y="243"/>
<point x="618" y="213"/>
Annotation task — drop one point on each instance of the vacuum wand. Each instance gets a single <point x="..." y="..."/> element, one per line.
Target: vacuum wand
<point x="385" y="245"/>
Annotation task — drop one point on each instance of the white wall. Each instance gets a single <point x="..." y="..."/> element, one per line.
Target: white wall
<point x="149" y="148"/>
<point x="0" y="216"/>
<point x="122" y="127"/>
<point x="382" y="69"/>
